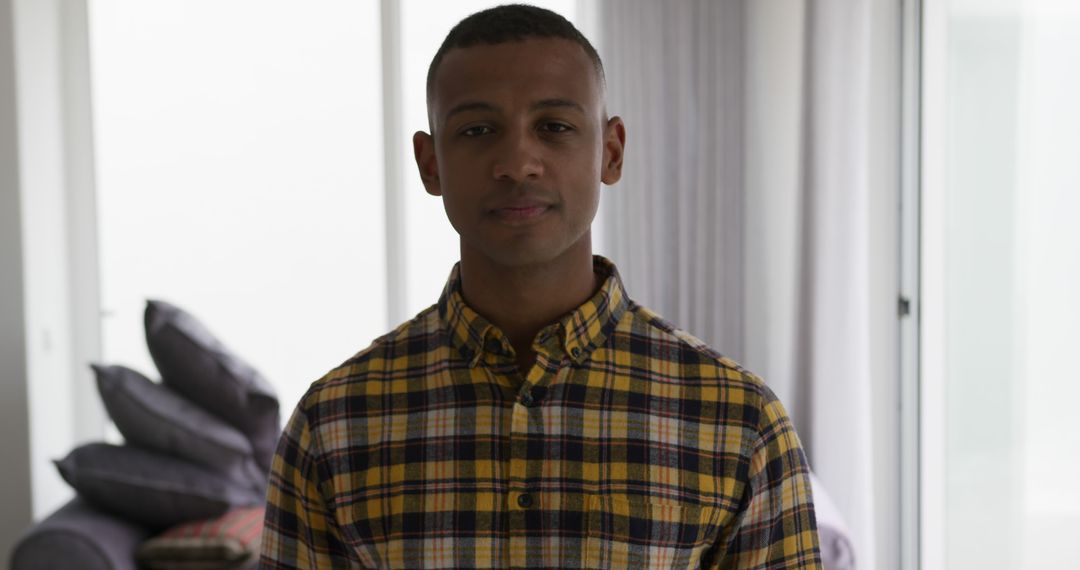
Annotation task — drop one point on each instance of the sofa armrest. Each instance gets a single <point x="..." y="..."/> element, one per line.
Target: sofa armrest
<point x="79" y="536"/>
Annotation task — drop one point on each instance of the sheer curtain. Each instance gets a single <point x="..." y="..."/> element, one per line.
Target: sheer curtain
<point x="757" y="211"/>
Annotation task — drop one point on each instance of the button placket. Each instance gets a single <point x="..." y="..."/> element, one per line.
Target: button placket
<point x="519" y="431"/>
<point x="523" y="501"/>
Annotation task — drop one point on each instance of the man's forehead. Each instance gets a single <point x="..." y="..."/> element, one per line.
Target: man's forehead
<point x="531" y="70"/>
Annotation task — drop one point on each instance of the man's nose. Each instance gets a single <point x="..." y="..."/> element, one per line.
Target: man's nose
<point x="519" y="158"/>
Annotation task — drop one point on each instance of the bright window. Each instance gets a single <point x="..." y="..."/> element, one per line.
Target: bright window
<point x="240" y="177"/>
<point x="1001" y="269"/>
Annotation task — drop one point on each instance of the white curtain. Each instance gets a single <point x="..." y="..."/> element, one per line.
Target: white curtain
<point x="745" y="211"/>
<point x="669" y="68"/>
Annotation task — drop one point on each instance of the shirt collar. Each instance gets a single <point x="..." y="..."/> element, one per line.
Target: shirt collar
<point x="576" y="334"/>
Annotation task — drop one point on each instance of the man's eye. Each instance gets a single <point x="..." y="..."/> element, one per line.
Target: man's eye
<point x="557" y="127"/>
<point x="476" y="131"/>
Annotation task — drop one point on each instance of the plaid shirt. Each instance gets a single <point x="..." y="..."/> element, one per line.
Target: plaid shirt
<point x="628" y="445"/>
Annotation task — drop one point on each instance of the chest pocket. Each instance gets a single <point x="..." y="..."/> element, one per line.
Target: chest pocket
<point x="631" y="532"/>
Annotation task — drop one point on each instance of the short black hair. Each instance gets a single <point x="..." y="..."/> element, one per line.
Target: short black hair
<point x="510" y="23"/>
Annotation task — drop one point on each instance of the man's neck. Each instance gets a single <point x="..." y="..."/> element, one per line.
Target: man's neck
<point x="523" y="300"/>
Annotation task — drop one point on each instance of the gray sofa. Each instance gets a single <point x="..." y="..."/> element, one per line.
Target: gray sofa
<point x="79" y="536"/>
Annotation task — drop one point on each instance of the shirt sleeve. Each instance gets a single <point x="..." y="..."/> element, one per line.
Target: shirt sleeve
<point x="299" y="530"/>
<point x="777" y="528"/>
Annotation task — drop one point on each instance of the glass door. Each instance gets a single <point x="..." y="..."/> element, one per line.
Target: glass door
<point x="1000" y="282"/>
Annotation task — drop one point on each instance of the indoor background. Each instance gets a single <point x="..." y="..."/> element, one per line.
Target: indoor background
<point x="872" y="204"/>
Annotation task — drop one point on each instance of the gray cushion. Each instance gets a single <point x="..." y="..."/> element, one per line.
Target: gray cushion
<point x="196" y="364"/>
<point x="149" y="488"/>
<point x="152" y="416"/>
<point x="79" y="536"/>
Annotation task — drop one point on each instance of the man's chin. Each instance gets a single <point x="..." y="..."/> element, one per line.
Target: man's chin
<point x="523" y="257"/>
<point x="530" y="251"/>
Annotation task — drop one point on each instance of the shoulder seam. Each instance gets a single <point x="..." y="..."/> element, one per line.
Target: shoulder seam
<point x="657" y="322"/>
<point x="380" y="342"/>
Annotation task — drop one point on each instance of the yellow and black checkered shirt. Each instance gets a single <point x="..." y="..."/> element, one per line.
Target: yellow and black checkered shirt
<point x="629" y="444"/>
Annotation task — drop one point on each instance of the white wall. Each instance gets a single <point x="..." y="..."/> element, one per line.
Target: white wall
<point x="883" y="152"/>
<point x="14" y="419"/>
<point x="44" y="242"/>
<point x="54" y="193"/>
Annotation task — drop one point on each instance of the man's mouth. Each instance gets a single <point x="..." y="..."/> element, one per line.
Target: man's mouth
<point x="520" y="212"/>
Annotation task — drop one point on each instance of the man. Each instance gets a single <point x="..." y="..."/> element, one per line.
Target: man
<point x="535" y="416"/>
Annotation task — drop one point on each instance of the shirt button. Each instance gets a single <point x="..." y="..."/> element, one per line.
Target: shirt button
<point x="575" y="352"/>
<point x="524" y="500"/>
<point x="527" y="399"/>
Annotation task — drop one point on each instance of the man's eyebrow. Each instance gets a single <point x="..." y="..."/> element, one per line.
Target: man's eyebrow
<point x="469" y="106"/>
<point x="555" y="103"/>
<point x="483" y="106"/>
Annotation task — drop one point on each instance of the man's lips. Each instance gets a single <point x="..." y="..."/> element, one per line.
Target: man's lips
<point x="520" y="212"/>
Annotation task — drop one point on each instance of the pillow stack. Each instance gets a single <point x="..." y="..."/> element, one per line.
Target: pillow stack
<point x="197" y="446"/>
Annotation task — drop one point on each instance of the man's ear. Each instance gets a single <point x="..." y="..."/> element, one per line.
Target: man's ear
<point x="424" y="151"/>
<point x="614" y="143"/>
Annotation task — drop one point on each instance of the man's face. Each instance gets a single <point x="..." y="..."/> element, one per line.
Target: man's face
<point x="519" y="148"/>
